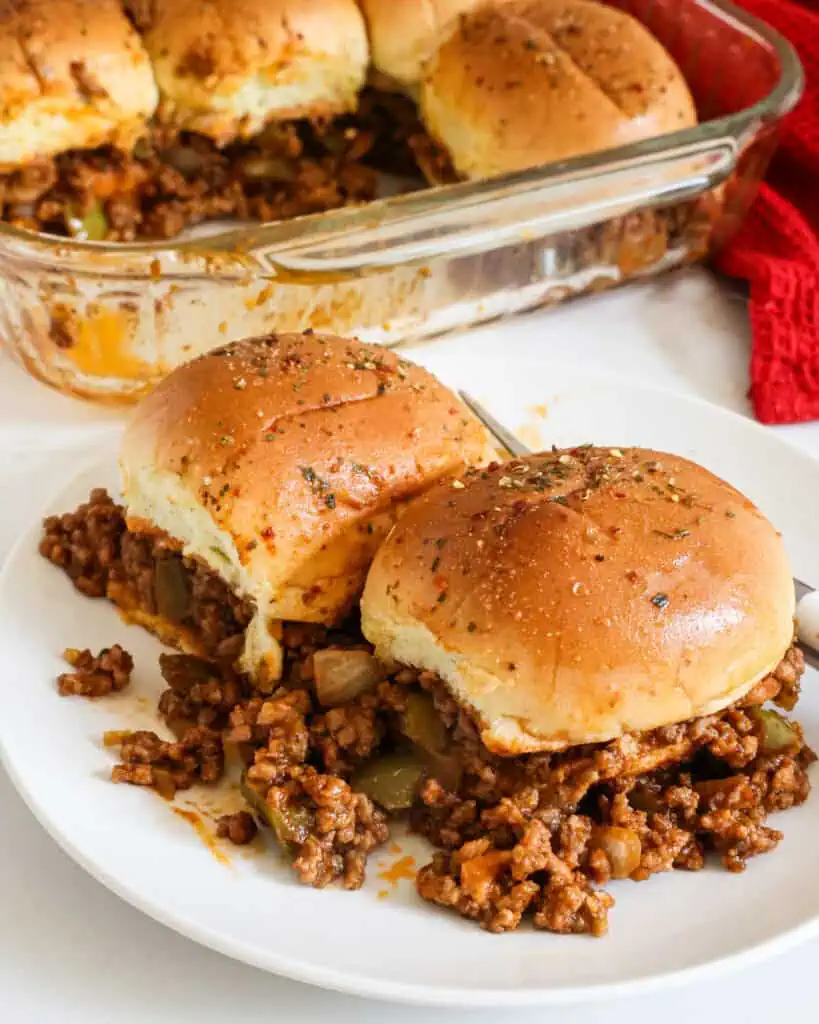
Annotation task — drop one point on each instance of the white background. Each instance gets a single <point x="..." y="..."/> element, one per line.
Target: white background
<point x="71" y="952"/>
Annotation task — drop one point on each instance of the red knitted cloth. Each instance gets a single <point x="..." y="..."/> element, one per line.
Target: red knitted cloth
<point x="777" y="249"/>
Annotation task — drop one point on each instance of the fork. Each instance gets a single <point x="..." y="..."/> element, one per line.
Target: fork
<point x="807" y="599"/>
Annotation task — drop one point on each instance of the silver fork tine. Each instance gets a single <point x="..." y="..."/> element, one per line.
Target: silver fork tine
<point x="497" y="430"/>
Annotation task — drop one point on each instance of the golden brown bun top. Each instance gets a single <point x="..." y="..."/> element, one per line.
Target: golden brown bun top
<point x="404" y="33"/>
<point x="293" y="446"/>
<point x="527" y="82"/>
<point x="574" y="596"/>
<point x="76" y="61"/>
<point x="225" y="67"/>
<point x="221" y="38"/>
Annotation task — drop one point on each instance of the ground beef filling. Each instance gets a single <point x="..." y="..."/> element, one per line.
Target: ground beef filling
<point x="169" y="184"/>
<point x="532" y="837"/>
<point x="95" y="675"/>
<point x="145" y="574"/>
<point x="168" y="765"/>
<point x="240" y="828"/>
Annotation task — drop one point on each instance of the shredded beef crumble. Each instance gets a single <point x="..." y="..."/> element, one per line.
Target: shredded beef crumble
<point x="527" y="838"/>
<point x="167" y="766"/>
<point x="144" y="572"/>
<point x="86" y="542"/>
<point x="95" y="675"/>
<point x="240" y="828"/>
<point x="172" y="182"/>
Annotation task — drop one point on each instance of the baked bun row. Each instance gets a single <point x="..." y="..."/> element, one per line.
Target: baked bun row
<point x="78" y="74"/>
<point x="501" y="84"/>
<point x="529" y="82"/>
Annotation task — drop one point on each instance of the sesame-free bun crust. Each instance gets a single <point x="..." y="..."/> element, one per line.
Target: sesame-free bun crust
<point x="73" y="75"/>
<point x="529" y="82"/>
<point x="226" y="68"/>
<point x="572" y="597"/>
<point x="283" y="462"/>
<point x="405" y="33"/>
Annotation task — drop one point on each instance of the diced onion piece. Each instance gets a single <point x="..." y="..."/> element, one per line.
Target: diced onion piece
<point x="777" y="733"/>
<point x="621" y="846"/>
<point x="270" y="168"/>
<point x="340" y="675"/>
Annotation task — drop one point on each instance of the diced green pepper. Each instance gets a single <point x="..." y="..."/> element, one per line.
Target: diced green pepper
<point x="290" y="825"/>
<point x="92" y="226"/>
<point x="391" y="781"/>
<point x="172" y="589"/>
<point x="423" y="725"/>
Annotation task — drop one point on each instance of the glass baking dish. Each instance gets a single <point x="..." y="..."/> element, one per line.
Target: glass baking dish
<point x="106" y="321"/>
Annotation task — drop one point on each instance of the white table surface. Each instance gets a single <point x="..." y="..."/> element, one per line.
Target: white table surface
<point x="71" y="952"/>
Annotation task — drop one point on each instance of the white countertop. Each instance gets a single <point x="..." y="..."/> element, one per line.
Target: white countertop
<point x="71" y="952"/>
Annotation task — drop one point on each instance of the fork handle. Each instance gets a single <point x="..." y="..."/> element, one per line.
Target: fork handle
<point x="807" y="622"/>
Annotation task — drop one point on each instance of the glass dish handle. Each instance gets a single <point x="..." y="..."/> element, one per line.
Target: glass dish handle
<point x="517" y="209"/>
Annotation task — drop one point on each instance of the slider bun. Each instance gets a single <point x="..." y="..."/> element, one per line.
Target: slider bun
<point x="283" y="462"/>
<point x="531" y="82"/>
<point x="227" y="67"/>
<point x="572" y="597"/>
<point x="405" y="33"/>
<point x="73" y="75"/>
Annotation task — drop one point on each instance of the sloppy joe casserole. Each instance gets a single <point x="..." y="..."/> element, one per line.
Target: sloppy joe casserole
<point x="136" y="119"/>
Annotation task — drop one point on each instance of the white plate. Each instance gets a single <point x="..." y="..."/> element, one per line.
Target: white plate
<point x="675" y="927"/>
